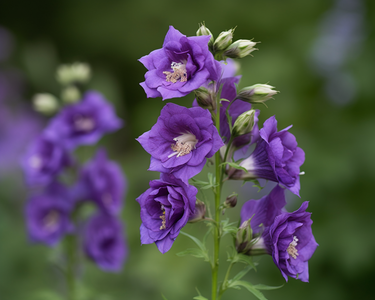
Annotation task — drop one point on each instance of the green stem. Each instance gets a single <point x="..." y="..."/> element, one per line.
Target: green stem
<point x="70" y="252"/>
<point x="215" y="268"/>
<point x="224" y="285"/>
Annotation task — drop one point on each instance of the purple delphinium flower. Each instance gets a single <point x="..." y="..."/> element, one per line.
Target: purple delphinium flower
<point x="47" y="215"/>
<point x="276" y="157"/>
<point x="291" y="243"/>
<point x="104" y="243"/>
<point x="264" y="210"/>
<point x="85" y="122"/>
<point x="165" y="208"/>
<point x="102" y="181"/>
<point x="44" y="159"/>
<point x="181" y="66"/>
<point x="181" y="140"/>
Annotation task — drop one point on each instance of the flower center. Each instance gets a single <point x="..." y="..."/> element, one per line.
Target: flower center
<point x="84" y="124"/>
<point x="184" y="144"/>
<point x="162" y="217"/>
<point x="36" y="162"/>
<point x="292" y="251"/>
<point x="51" y="220"/>
<point x="179" y="73"/>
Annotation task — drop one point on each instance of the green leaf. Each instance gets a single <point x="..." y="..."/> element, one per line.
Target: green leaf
<point x="164" y="297"/>
<point x="197" y="241"/>
<point x="228" y="227"/>
<point x="225" y="100"/>
<point x="200" y="297"/>
<point x="251" y="288"/>
<point x="193" y="252"/>
<point x="242" y="273"/>
<point x="267" y="287"/>
<point x="245" y="259"/>
<point x="234" y="165"/>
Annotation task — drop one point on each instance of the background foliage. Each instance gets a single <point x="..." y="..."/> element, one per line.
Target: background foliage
<point x="338" y="138"/>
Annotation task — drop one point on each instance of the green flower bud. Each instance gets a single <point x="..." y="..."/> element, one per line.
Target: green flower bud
<point x="74" y="73"/>
<point x="231" y="201"/>
<point x="240" y="48"/>
<point x="223" y="40"/>
<point x="205" y="99"/>
<point x="244" y="123"/>
<point x="70" y="94"/>
<point x="203" y="30"/>
<point x="45" y="103"/>
<point x="199" y="212"/>
<point x="243" y="237"/>
<point x="257" y="93"/>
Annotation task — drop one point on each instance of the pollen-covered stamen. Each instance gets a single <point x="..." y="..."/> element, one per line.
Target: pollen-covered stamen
<point x="179" y="73"/>
<point x="51" y="220"/>
<point x="292" y="251"/>
<point x="163" y="221"/>
<point x="185" y="143"/>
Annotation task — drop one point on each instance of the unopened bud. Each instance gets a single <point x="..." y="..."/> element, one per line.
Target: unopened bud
<point x="240" y="48"/>
<point x="257" y="93"/>
<point x="243" y="237"/>
<point x="223" y="40"/>
<point x="74" y="73"/>
<point x="45" y="103"/>
<point x="204" y="98"/>
<point x="199" y="212"/>
<point x="244" y="123"/>
<point x="70" y="94"/>
<point x="203" y="30"/>
<point x="231" y="200"/>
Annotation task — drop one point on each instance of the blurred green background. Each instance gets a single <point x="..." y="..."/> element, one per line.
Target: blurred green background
<point x="337" y="136"/>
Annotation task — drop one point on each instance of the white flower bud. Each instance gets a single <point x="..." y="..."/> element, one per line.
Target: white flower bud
<point x="223" y="40"/>
<point x="257" y="93"/>
<point x="240" y="49"/>
<point x="205" y="99"/>
<point x="244" y="123"/>
<point x="76" y="72"/>
<point x="203" y="30"/>
<point x="45" y="103"/>
<point x="70" y="94"/>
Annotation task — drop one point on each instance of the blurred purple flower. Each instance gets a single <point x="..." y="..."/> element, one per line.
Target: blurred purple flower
<point x="44" y="160"/>
<point x="276" y="158"/>
<point x="6" y="44"/>
<point x="264" y="210"/>
<point x="181" y="66"/>
<point x="47" y="215"/>
<point x="165" y="208"/>
<point x="104" y="242"/>
<point x="85" y="122"/>
<point x="181" y="140"/>
<point x="103" y="181"/>
<point x="291" y="243"/>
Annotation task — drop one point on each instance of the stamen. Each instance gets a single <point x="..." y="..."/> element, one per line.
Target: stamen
<point x="84" y="124"/>
<point x="292" y="251"/>
<point x="179" y="73"/>
<point x="185" y="143"/>
<point x="51" y="220"/>
<point x="163" y="221"/>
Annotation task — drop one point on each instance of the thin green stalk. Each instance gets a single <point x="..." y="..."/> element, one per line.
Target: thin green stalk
<point x="70" y="252"/>
<point x="223" y="286"/>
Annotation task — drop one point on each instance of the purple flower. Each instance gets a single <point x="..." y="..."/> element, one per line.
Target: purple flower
<point x="276" y="157"/>
<point x="102" y="180"/>
<point x="291" y="243"/>
<point x="264" y="210"/>
<point x="165" y="208"/>
<point x="183" y="65"/>
<point x="104" y="243"/>
<point x="181" y="140"/>
<point x="47" y="215"/>
<point x="44" y="160"/>
<point x="85" y="122"/>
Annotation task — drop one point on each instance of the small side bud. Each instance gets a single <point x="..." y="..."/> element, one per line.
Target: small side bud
<point x="70" y="94"/>
<point x="244" y="123"/>
<point x="244" y="237"/>
<point x="199" y="212"/>
<point x="257" y="93"/>
<point x="46" y="104"/>
<point x="231" y="201"/>
<point x="223" y="40"/>
<point x="240" y="49"/>
<point x="203" y="30"/>
<point x="205" y="99"/>
<point x="74" y="73"/>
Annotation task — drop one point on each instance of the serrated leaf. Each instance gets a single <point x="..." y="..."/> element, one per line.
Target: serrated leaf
<point x="234" y="165"/>
<point x="228" y="227"/>
<point x="249" y="287"/>
<point x="267" y="287"/>
<point x="193" y="252"/>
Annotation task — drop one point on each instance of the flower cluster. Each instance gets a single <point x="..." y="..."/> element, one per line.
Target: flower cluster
<point x="54" y="206"/>
<point x="221" y="118"/>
